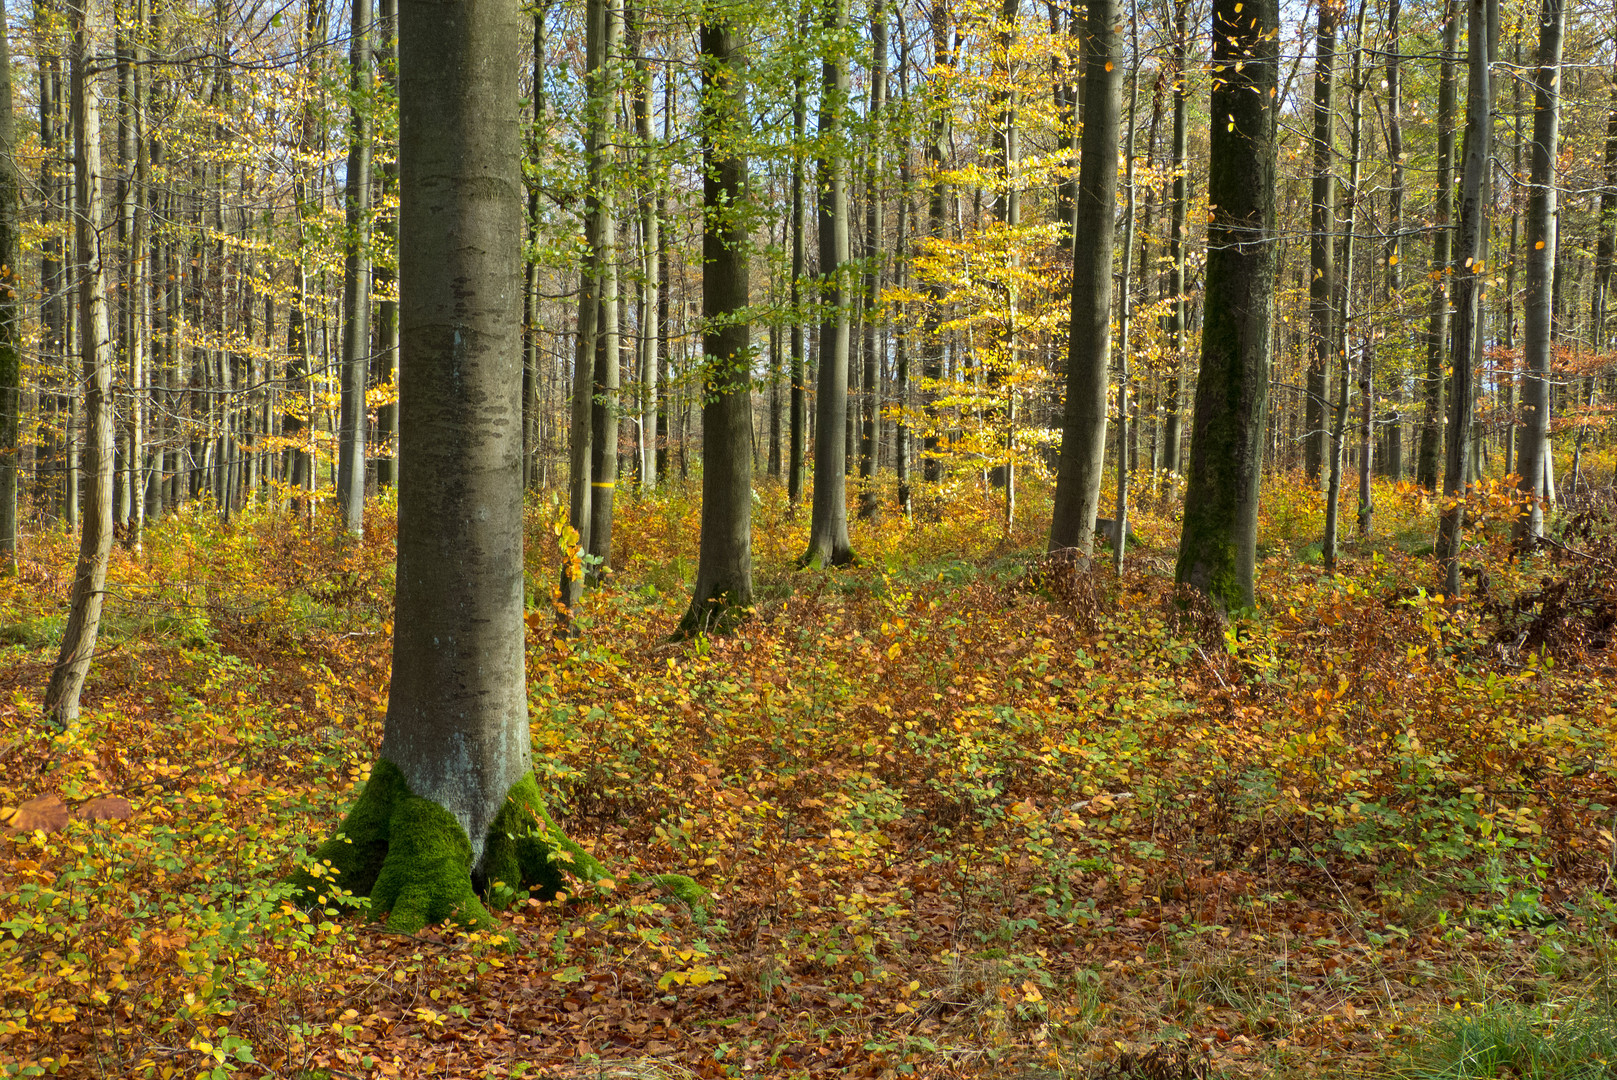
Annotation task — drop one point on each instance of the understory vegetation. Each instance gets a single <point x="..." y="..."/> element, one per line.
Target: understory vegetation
<point x="960" y="811"/>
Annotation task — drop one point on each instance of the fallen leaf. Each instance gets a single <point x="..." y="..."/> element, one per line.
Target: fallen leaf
<point x="110" y="808"/>
<point x="46" y="812"/>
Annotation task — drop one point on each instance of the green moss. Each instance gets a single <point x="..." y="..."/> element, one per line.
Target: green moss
<point x="414" y="861"/>
<point x="359" y="848"/>
<point x="525" y="849"/>
<point x="427" y="875"/>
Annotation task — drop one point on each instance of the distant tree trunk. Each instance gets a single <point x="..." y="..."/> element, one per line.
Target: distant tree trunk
<point x="901" y="269"/>
<point x="1322" y="244"/>
<point x="1177" y="343"/>
<point x="870" y="420"/>
<point x="608" y="336"/>
<point x="650" y="235"/>
<point x="356" y="338"/>
<point x="1125" y="308"/>
<point x="592" y="323"/>
<point x="1468" y="281"/>
<point x="1341" y="344"/>
<point x="1218" y="540"/>
<point x="1083" y="430"/>
<point x="10" y="291"/>
<point x="1431" y="435"/>
<point x="1541" y="251"/>
<point x="723" y="590"/>
<point x="387" y="308"/>
<point x="937" y="149"/>
<point x="95" y="543"/>
<point x="798" y="436"/>
<point x="828" y="524"/>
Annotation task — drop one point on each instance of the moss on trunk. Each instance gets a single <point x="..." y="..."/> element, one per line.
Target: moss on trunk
<point x="414" y="861"/>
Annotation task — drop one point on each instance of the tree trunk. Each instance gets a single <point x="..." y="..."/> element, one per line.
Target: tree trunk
<point x="1431" y="435"/>
<point x="1218" y="540"/>
<point x="870" y="405"/>
<point x="1541" y="251"/>
<point x="387" y="307"/>
<point x="1125" y="309"/>
<point x="1177" y="343"/>
<point x="95" y="543"/>
<point x="608" y="336"/>
<point x="650" y="234"/>
<point x="798" y="436"/>
<point x="1083" y="430"/>
<point x="10" y="290"/>
<point x="1321" y="245"/>
<point x="1341" y="344"/>
<point x="723" y="590"/>
<point x="828" y="523"/>
<point x="937" y="147"/>
<point x="1468" y="281"/>
<point x="356" y="338"/>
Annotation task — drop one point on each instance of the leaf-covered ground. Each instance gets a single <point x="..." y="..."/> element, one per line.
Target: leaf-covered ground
<point x="961" y="813"/>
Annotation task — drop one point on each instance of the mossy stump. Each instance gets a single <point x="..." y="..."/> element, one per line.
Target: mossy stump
<point x="414" y="861"/>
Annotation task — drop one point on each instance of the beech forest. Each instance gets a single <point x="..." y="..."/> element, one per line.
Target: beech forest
<point x="673" y="539"/>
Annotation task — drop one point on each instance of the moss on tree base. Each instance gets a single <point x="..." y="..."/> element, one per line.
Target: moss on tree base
<point x="414" y="861"/>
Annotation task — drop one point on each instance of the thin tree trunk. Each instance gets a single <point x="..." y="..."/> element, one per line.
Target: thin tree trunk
<point x="1322" y="244"/>
<point x="1468" y="282"/>
<point x="1341" y="344"/>
<point x="650" y="234"/>
<point x="828" y="524"/>
<point x="387" y="227"/>
<point x="1178" y="343"/>
<point x="870" y="421"/>
<point x="1541" y="252"/>
<point x="356" y="340"/>
<point x="95" y="543"/>
<point x="1431" y="436"/>
<point x="1125" y="310"/>
<point x="10" y="291"/>
<point x="798" y="436"/>
<point x="1083" y="432"/>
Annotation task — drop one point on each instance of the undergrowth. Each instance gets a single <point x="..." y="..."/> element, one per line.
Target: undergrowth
<point x="961" y="812"/>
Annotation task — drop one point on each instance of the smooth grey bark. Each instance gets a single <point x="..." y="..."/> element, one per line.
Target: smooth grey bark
<point x="1321" y="244"/>
<point x="797" y="438"/>
<point x="1178" y="339"/>
<point x="1083" y="429"/>
<point x="650" y="242"/>
<point x="1430" y="450"/>
<point x="609" y="336"/>
<point x="130" y="500"/>
<point x="723" y="590"/>
<point x="1125" y="310"/>
<point x="1218" y="539"/>
<point x="356" y="334"/>
<point x="1534" y="433"/>
<point x="937" y="150"/>
<point x="95" y="348"/>
<point x="875" y="266"/>
<point x="595" y="322"/>
<point x="1468" y="270"/>
<point x="387" y="227"/>
<point x="457" y="717"/>
<point x="10" y="292"/>
<point x="828" y="522"/>
<point x="1341" y="315"/>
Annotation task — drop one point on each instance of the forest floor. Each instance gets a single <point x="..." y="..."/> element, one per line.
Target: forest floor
<point x="960" y="815"/>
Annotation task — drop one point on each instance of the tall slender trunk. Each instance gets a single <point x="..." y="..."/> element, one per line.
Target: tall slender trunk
<point x="828" y="524"/>
<point x="1322" y="244"/>
<point x="870" y="404"/>
<point x="1125" y="310"/>
<point x="1177" y="343"/>
<point x="356" y="338"/>
<point x="10" y="353"/>
<point x="1083" y="432"/>
<point x="609" y="337"/>
<point x="1341" y="344"/>
<point x="1468" y="272"/>
<point x="937" y="149"/>
<point x="723" y="589"/>
<point x="387" y="228"/>
<point x="1431" y="435"/>
<point x="650" y="241"/>
<point x="1541" y="253"/>
<point x="95" y="543"/>
<point x="798" y="436"/>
